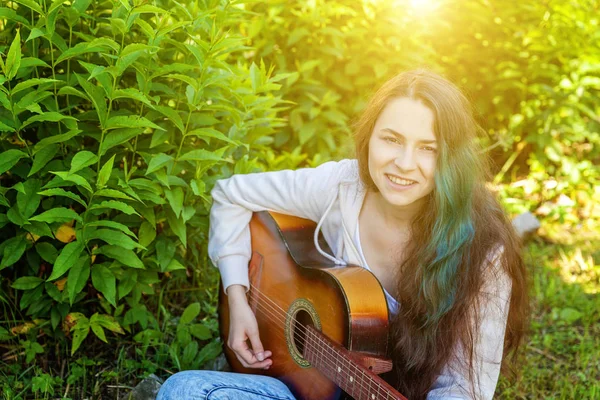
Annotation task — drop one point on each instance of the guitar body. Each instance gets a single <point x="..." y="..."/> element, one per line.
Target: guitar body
<point x="292" y="284"/>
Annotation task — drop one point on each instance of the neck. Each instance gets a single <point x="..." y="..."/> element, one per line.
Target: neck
<point x="395" y="217"/>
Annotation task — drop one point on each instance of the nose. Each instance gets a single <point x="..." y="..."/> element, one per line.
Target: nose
<point x="405" y="159"/>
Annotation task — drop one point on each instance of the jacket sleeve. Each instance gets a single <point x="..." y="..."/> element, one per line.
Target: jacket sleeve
<point x="453" y="383"/>
<point x="303" y="193"/>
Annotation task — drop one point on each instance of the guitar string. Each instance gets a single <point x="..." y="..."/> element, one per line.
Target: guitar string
<point x="325" y="357"/>
<point x="282" y="312"/>
<point x="362" y="374"/>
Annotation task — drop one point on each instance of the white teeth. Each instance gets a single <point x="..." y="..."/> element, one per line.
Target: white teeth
<point x="399" y="181"/>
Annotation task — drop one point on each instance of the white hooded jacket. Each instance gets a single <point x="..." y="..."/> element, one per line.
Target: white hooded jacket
<point x="332" y="195"/>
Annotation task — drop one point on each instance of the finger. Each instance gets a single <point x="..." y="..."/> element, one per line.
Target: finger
<point x="257" y="364"/>
<point x="257" y="347"/>
<point x="244" y="353"/>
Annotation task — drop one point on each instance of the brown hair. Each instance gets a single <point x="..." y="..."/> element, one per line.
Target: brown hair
<point x="449" y="264"/>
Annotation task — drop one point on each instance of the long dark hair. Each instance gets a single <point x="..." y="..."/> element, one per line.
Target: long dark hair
<point x="462" y="248"/>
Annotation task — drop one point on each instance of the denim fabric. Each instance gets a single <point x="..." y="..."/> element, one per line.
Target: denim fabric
<point x="213" y="385"/>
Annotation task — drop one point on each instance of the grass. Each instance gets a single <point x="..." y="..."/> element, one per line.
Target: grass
<point x="561" y="357"/>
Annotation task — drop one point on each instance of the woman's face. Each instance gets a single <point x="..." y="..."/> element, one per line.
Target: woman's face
<point x="403" y="152"/>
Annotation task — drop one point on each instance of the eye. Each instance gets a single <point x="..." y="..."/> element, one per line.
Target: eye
<point x="429" y="148"/>
<point x="391" y="139"/>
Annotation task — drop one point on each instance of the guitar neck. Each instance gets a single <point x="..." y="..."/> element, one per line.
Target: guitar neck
<point x="337" y="364"/>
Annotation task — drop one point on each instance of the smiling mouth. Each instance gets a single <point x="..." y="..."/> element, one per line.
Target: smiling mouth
<point x="400" y="181"/>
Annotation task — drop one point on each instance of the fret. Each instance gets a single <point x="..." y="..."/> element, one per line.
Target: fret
<point x="336" y="363"/>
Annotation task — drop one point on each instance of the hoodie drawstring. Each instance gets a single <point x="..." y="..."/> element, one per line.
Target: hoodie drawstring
<point x="316" y="236"/>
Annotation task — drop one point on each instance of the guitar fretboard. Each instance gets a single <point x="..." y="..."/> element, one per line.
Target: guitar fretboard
<point x="337" y="364"/>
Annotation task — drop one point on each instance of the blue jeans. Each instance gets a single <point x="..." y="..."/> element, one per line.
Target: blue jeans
<point x="213" y="385"/>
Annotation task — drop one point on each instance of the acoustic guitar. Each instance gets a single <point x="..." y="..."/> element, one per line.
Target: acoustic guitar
<point x="326" y="325"/>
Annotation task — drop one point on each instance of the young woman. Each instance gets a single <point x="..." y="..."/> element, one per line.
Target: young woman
<point x="414" y="209"/>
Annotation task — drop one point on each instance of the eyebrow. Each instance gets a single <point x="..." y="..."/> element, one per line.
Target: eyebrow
<point x="403" y="137"/>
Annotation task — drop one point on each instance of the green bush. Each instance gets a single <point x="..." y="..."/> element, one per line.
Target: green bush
<point x="116" y="119"/>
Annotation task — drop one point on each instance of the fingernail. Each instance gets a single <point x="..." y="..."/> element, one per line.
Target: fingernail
<point x="260" y="356"/>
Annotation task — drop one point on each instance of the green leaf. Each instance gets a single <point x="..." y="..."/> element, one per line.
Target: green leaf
<point x="209" y="352"/>
<point x="4" y="221"/>
<point x="112" y="224"/>
<point x="42" y="158"/>
<point x="95" y="46"/>
<point x="172" y="115"/>
<point x="159" y="137"/>
<point x="14" y="216"/>
<point x="78" y="276"/>
<point x="35" y="33"/>
<point x="3" y="126"/>
<point x="116" y="238"/>
<point x="106" y="321"/>
<point x="147" y="233"/>
<point x="146" y="184"/>
<point x="190" y="81"/>
<point x="104" y="280"/>
<point x="55" y="139"/>
<point x="9" y="159"/>
<point x="115" y="205"/>
<point x="12" y="15"/>
<point x="67" y="258"/>
<point x="190" y="313"/>
<point x="127" y="283"/>
<point x="47" y="251"/>
<point x="63" y="193"/>
<point x="39" y="228"/>
<point x="177" y="226"/>
<point x="76" y="179"/>
<point x="31" y="4"/>
<point x="146" y="8"/>
<point x="48" y="116"/>
<point x="125" y="257"/>
<point x="157" y="162"/>
<point x="255" y="77"/>
<point x="130" y="121"/>
<point x="99" y="332"/>
<point x="13" y="58"/>
<point x="30" y="62"/>
<point x="212" y="133"/>
<point x="69" y="90"/>
<point x="132" y="93"/>
<point x="130" y="54"/>
<point x="112" y="193"/>
<point x="570" y="315"/>
<point x="81" y="160"/>
<point x="165" y="252"/>
<point x="117" y="137"/>
<point x="96" y="95"/>
<point x="190" y="352"/>
<point x="174" y="265"/>
<point x="105" y="172"/>
<point x="31" y="82"/>
<point x="13" y="250"/>
<point x="27" y="282"/>
<point x="175" y="199"/>
<point x="78" y="337"/>
<point x="201" y="155"/>
<point x="29" y="201"/>
<point x="58" y="214"/>
<point x="200" y="331"/>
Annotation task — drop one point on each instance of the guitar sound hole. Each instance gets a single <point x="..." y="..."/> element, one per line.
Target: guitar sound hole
<point x="302" y="320"/>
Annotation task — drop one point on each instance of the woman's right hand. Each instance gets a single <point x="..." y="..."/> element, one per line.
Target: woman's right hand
<point x="243" y="327"/>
